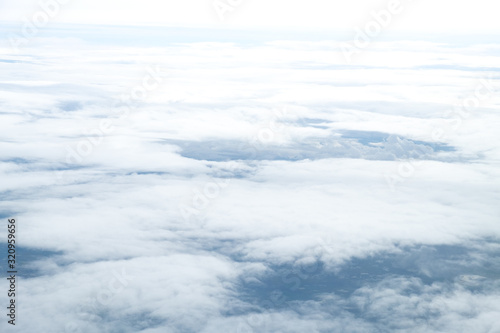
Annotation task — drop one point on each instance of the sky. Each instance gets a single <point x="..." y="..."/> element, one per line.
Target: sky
<point x="429" y="16"/>
<point x="236" y="179"/>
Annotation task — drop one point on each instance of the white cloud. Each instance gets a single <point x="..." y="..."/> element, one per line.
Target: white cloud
<point x="293" y="203"/>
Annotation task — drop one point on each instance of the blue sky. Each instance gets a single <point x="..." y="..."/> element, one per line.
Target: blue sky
<point x="217" y="177"/>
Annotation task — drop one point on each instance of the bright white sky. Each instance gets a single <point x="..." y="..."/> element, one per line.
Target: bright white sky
<point x="479" y="16"/>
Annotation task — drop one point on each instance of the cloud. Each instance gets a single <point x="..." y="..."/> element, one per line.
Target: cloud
<point x="365" y="193"/>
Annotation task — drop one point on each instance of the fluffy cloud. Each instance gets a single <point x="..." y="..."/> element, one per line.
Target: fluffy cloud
<point x="259" y="186"/>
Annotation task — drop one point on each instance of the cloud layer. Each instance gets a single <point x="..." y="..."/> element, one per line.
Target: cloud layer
<point x="260" y="186"/>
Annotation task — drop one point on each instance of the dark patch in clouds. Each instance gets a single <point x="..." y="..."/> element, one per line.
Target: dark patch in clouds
<point x="350" y="144"/>
<point x="70" y="105"/>
<point x="289" y="283"/>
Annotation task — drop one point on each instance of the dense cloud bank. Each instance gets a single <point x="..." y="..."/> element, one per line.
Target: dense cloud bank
<point x="252" y="187"/>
